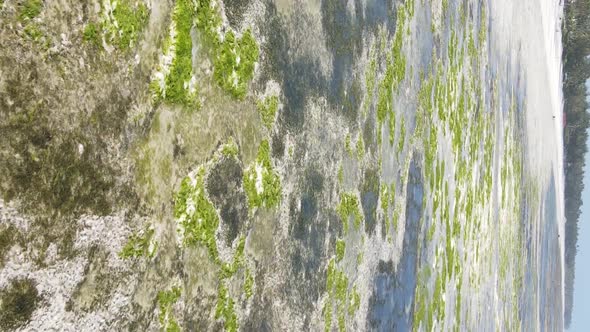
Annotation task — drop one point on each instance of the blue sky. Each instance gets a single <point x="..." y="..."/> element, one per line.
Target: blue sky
<point x="581" y="313"/>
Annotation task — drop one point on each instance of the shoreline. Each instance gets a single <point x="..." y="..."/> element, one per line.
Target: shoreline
<point x="552" y="16"/>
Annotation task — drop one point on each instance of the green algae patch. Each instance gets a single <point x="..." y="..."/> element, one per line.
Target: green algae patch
<point x="230" y="149"/>
<point x="342" y="299"/>
<point x="92" y="34"/>
<point x="340" y="249"/>
<point x="195" y="214"/>
<point x="248" y="284"/>
<point x="384" y="197"/>
<point x="402" y="138"/>
<point x="167" y="299"/>
<point x="268" y="109"/>
<point x="234" y="64"/>
<point x="225" y="309"/>
<point x="228" y="270"/>
<point x="131" y="17"/>
<point x="360" y="147"/>
<point x="261" y="182"/>
<point x="124" y="21"/>
<point x="140" y="245"/>
<point x="179" y="87"/>
<point x="198" y="223"/>
<point x="234" y="58"/>
<point x="349" y="206"/>
<point x="355" y="301"/>
<point x="395" y="72"/>
<point x="30" y="9"/>
<point x="348" y="145"/>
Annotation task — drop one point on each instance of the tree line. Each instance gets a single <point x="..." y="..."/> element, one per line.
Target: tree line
<point x="576" y="70"/>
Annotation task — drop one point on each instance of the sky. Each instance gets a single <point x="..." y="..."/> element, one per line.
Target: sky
<point x="581" y="312"/>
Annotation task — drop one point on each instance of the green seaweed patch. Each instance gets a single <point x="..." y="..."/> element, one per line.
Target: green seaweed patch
<point x="341" y="298"/>
<point x="349" y="206"/>
<point x="268" y="109"/>
<point x="230" y="269"/>
<point x="340" y="249"/>
<point x="402" y="137"/>
<point x="124" y="25"/>
<point x="225" y="309"/>
<point x="370" y="76"/>
<point x="360" y="147"/>
<point x="234" y="58"/>
<point x="235" y="61"/>
<point x="355" y="302"/>
<point x="92" y="34"/>
<point x="30" y="9"/>
<point x="230" y="149"/>
<point x="195" y="214"/>
<point x="140" y="245"/>
<point x="348" y="144"/>
<point x="208" y="20"/>
<point x="178" y="89"/>
<point x="166" y="299"/>
<point x="261" y="182"/>
<point x="248" y="284"/>
<point x="384" y="197"/>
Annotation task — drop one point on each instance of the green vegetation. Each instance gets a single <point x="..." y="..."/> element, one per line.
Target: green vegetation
<point x="349" y="206"/>
<point x="32" y="30"/>
<point x="348" y="144"/>
<point x="17" y="303"/>
<point x="234" y="64"/>
<point x="140" y="245"/>
<point x="402" y="137"/>
<point x="178" y="89"/>
<point x="225" y="309"/>
<point x="234" y="58"/>
<point x="384" y="196"/>
<point x="248" y="284"/>
<point x="395" y="72"/>
<point x="167" y="299"/>
<point x="483" y="29"/>
<point x="355" y="302"/>
<point x="198" y="224"/>
<point x="576" y="42"/>
<point x="199" y="221"/>
<point x="228" y="270"/>
<point x="30" y="9"/>
<point x="360" y="148"/>
<point x="342" y="298"/>
<point x="261" y="182"/>
<point x="268" y="110"/>
<point x="449" y="114"/>
<point x="370" y="76"/>
<point x="230" y="149"/>
<point x="340" y="248"/>
<point x="130" y="17"/>
<point x="91" y="34"/>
